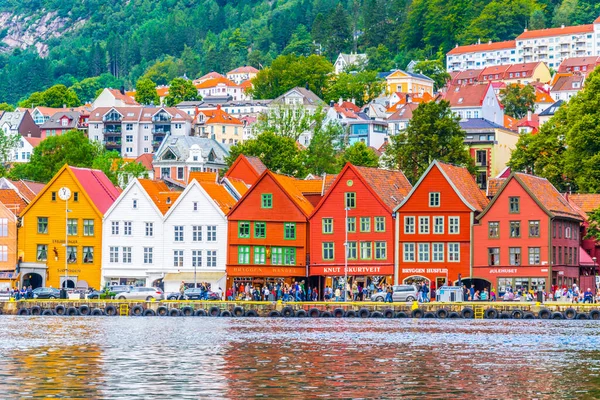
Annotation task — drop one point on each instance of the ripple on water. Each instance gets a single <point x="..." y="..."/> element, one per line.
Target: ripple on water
<point x="149" y="358"/>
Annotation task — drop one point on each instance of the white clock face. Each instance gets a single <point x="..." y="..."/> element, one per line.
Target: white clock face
<point x="64" y="193"/>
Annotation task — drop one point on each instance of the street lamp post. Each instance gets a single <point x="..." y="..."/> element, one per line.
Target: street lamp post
<point x="195" y="285"/>
<point x="65" y="194"/>
<point x="346" y="257"/>
<point x="594" y="259"/>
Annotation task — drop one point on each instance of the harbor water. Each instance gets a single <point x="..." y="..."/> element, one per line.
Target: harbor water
<point x="226" y="358"/>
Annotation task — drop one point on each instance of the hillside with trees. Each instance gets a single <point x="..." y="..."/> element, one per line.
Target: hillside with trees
<point x="114" y="42"/>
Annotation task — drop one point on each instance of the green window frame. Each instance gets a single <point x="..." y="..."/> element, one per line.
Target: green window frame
<point x="260" y="255"/>
<point x="289" y="256"/>
<point x="365" y="224"/>
<point x="366" y="250"/>
<point x="351" y="224"/>
<point x="381" y="250"/>
<point x="327" y="224"/>
<point x="243" y="229"/>
<point x="277" y="256"/>
<point x="72" y="225"/>
<point x="266" y="200"/>
<point x="243" y="254"/>
<point x="289" y="230"/>
<point x="379" y="224"/>
<point x="352" y="251"/>
<point x="328" y="251"/>
<point x="42" y="225"/>
<point x="260" y="230"/>
<point x="350" y="199"/>
<point x="88" y="227"/>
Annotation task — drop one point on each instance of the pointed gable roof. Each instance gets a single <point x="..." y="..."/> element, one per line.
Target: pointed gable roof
<point x="390" y="186"/>
<point x="219" y="195"/>
<point x="587" y="202"/>
<point x="159" y="193"/>
<point x="98" y="187"/>
<point x="246" y="163"/>
<point x="466" y="96"/>
<point x="11" y="199"/>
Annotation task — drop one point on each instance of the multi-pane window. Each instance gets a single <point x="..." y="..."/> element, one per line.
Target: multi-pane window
<point x="211" y="258"/>
<point x="514" y="255"/>
<point x="423" y="252"/>
<point x="126" y="255"/>
<point x="434" y="199"/>
<point x="437" y="252"/>
<point x="178" y="258"/>
<point x="366" y="249"/>
<point x="454" y="225"/>
<point x="266" y="200"/>
<point x="211" y="233"/>
<point x="350" y="198"/>
<point x="453" y="252"/>
<point x="113" y="254"/>
<point x="352" y="251"/>
<point x="243" y="229"/>
<point x="195" y="206"/>
<point x="71" y="254"/>
<point x="134" y="203"/>
<point x="88" y="255"/>
<point x="3" y="227"/>
<point x="514" y="206"/>
<point x="196" y="233"/>
<point x="260" y="255"/>
<point x="424" y="225"/>
<point x="534" y="256"/>
<point x="289" y="256"/>
<point x="328" y="253"/>
<point x="277" y="255"/>
<point x="515" y="229"/>
<point x="409" y="224"/>
<point x="149" y="229"/>
<point x="72" y="226"/>
<point x="260" y="230"/>
<point x="379" y="224"/>
<point x="243" y="254"/>
<point x="438" y="225"/>
<point x="567" y="231"/>
<point x="380" y="250"/>
<point x="42" y="225"/>
<point x="289" y="230"/>
<point x="88" y="227"/>
<point x="127" y="228"/>
<point x="148" y="255"/>
<point x="365" y="224"/>
<point x="178" y="233"/>
<point x="327" y="225"/>
<point x="409" y="252"/>
<point x="3" y="253"/>
<point x="494" y="229"/>
<point x="115" y="227"/>
<point x="42" y="252"/>
<point x="351" y="224"/>
<point x="494" y="256"/>
<point x="534" y="228"/>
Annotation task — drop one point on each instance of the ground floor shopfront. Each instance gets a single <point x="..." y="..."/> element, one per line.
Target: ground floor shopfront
<point x="168" y="281"/>
<point x="334" y="276"/>
<point x="259" y="276"/>
<point x="514" y="278"/>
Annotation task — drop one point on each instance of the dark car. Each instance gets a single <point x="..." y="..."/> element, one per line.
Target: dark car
<point x="196" y="294"/>
<point x="112" y="290"/>
<point x="46" y="293"/>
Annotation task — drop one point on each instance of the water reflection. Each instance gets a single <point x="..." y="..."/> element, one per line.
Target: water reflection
<point x="43" y="357"/>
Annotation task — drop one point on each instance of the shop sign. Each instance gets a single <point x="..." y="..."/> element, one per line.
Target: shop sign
<point x="354" y="270"/>
<point x="58" y="241"/>
<point x="424" y="270"/>
<point x="62" y="270"/>
<point x="266" y="271"/>
<point x="518" y="271"/>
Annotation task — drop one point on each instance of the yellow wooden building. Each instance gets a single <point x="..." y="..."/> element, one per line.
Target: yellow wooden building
<point x="408" y="82"/>
<point x="73" y="202"/>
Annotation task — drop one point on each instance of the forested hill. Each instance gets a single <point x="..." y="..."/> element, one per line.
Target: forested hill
<point x="69" y="40"/>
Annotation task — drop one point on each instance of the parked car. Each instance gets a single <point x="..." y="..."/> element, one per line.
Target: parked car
<point x="401" y="293"/>
<point x="196" y="294"/>
<point x="141" y="293"/>
<point x="46" y="293"/>
<point x="113" y="291"/>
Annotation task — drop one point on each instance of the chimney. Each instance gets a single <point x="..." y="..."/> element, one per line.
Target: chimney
<point x="340" y="101"/>
<point x="353" y="100"/>
<point x="529" y="115"/>
<point x="122" y="90"/>
<point x="64" y="105"/>
<point x="408" y="99"/>
<point x="562" y="26"/>
<point x="490" y="42"/>
<point x="218" y="106"/>
<point x="479" y="41"/>
<point x="331" y="103"/>
<point x="525" y="30"/>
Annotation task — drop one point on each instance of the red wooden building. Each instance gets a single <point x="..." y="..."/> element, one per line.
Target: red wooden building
<point x="268" y="233"/>
<point x="435" y="225"/>
<point x="527" y="237"/>
<point x="369" y="195"/>
<point x="245" y="168"/>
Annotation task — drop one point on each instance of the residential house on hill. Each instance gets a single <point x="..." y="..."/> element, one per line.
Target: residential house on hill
<point x="19" y="122"/>
<point x="221" y="86"/>
<point x="345" y="60"/>
<point x="114" y="98"/>
<point x="408" y="82"/>
<point x="549" y="112"/>
<point x="61" y="122"/>
<point x="241" y="74"/>
<point x="584" y="65"/>
<point x="481" y="55"/>
<point x="566" y="86"/>
<point x="399" y="120"/>
<point x="24" y="149"/>
<point x="475" y="101"/>
<point x="219" y="125"/>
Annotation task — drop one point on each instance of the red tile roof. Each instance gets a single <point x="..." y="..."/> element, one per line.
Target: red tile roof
<point x="467" y="75"/>
<point x="289" y="185"/>
<point x="123" y="97"/>
<point x="256" y="163"/>
<point x="547" y="195"/>
<point x="533" y="123"/>
<point x="510" y="123"/>
<point x="12" y="201"/>
<point x="97" y="186"/>
<point x="213" y="82"/>
<point x="404" y="113"/>
<point x="34" y="142"/>
<point x="566" y="30"/>
<point x="146" y="160"/>
<point x="311" y="186"/>
<point x="244" y="70"/>
<point x="217" y="192"/>
<point x="239" y="185"/>
<point x="28" y="189"/>
<point x="543" y="97"/>
<point x="219" y="116"/>
<point x="391" y="186"/>
<point x="565" y="83"/>
<point x="203" y="176"/>
<point x="568" y="64"/>
<point x="489" y="73"/>
<point x="525" y="69"/>
<point x="586" y="202"/>
<point x="160" y="194"/>
<point x="474" y="48"/>
<point x="494" y="185"/>
<point x="466" y="96"/>
<point x="464" y="182"/>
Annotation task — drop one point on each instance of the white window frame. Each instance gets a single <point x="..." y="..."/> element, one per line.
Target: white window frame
<point x="424" y="252"/>
<point x="149" y="229"/>
<point x="438" y="228"/>
<point x="433" y="196"/>
<point x="456" y="220"/>
<point x="410" y="225"/>
<point x="148" y="255"/>
<point x="453" y="252"/>
<point x="408" y="248"/>
<point x="424" y="228"/>
<point x="437" y="252"/>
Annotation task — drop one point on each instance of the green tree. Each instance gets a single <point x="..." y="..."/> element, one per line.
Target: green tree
<point x="192" y="63"/>
<point x="72" y="148"/>
<point x="279" y="154"/>
<point x="87" y="89"/>
<point x="181" y="89"/>
<point x="145" y="92"/>
<point x="300" y="44"/>
<point x="360" y="155"/>
<point x="564" y="14"/>
<point x="433" y="134"/>
<point x="435" y="70"/>
<point x="6" y="107"/>
<point x="164" y="71"/>
<point x="362" y="87"/>
<point x="537" y="20"/>
<point x="321" y="154"/>
<point x="593" y="229"/>
<point x="287" y="121"/>
<point x="518" y="100"/>
<point x="380" y="59"/>
<point x="56" y="96"/>
<point x="8" y="143"/>
<point x="339" y="37"/>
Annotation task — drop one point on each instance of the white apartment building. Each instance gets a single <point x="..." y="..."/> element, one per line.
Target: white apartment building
<point x="223" y="88"/>
<point x="551" y="45"/>
<point x="134" y="131"/>
<point x="238" y="109"/>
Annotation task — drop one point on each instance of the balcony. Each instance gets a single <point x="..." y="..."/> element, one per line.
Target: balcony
<point x="112" y="145"/>
<point x="112" y="118"/>
<point x="161" y="129"/>
<point x="156" y="144"/>
<point x="161" y="118"/>
<point x="112" y="131"/>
